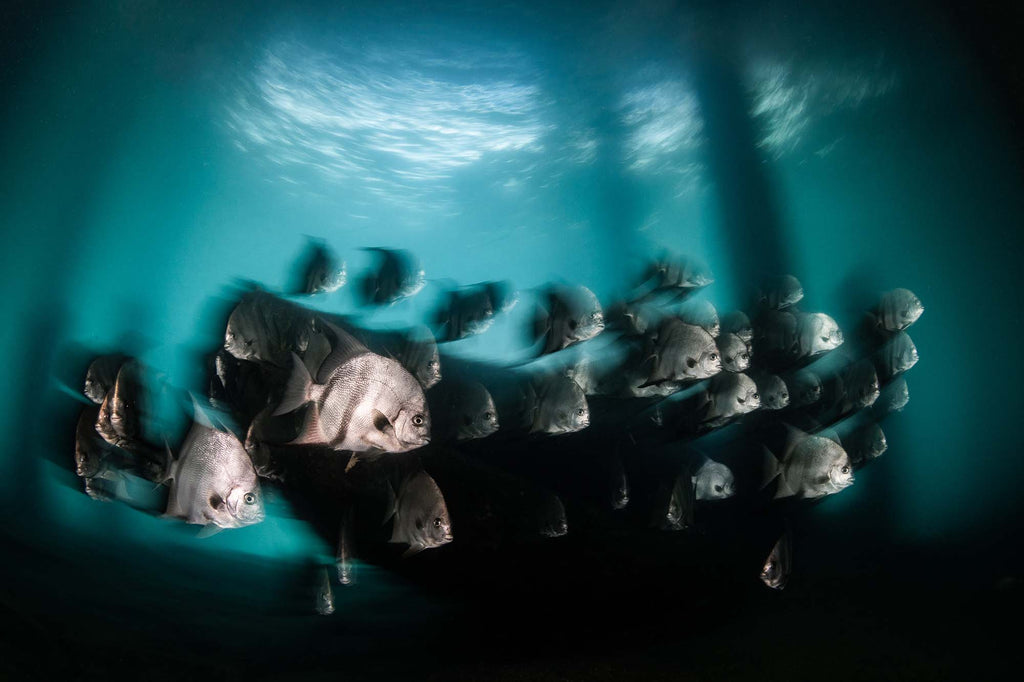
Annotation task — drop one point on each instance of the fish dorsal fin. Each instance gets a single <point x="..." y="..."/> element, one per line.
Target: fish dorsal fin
<point x="794" y="437"/>
<point x="831" y="435"/>
<point x="199" y="414"/>
<point x="345" y="348"/>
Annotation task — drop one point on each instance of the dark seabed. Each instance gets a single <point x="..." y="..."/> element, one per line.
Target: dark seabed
<point x="158" y="156"/>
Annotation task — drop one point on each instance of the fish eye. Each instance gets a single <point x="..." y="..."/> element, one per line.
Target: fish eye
<point x="845" y="470"/>
<point x="756" y="396"/>
<point x="580" y="412"/>
<point x="437" y="522"/>
<point x="714" y="356"/>
<point x="745" y="356"/>
<point x="488" y="415"/>
<point x="250" y="498"/>
<point x="417" y="420"/>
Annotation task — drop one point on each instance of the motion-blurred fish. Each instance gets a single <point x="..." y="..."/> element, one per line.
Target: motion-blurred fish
<point x="120" y="419"/>
<point x="861" y="385"/>
<point x="681" y="352"/>
<point x="713" y="481"/>
<point x="555" y="404"/>
<point x="679" y="275"/>
<point x="773" y="390"/>
<point x="553" y="522"/>
<point x="676" y="511"/>
<point x="213" y="480"/>
<point x="324" y="273"/>
<point x="810" y="466"/>
<point x="734" y="353"/>
<point x="101" y="375"/>
<point x="569" y="316"/>
<point x="701" y="314"/>
<point x="96" y="459"/>
<point x="420" y="515"/>
<point x="728" y="396"/>
<point x="360" y="401"/>
<point x="324" y="599"/>
<point x="398" y="275"/>
<point x="893" y="397"/>
<point x="781" y="292"/>
<point x="897" y="310"/>
<point x="264" y="328"/>
<point x="778" y="565"/>
<point x="817" y="333"/>
<point x="737" y="322"/>
<point x="897" y="356"/>
<point x="468" y="411"/>
<point x="865" y="443"/>
<point x="472" y="310"/>
<point x="804" y="388"/>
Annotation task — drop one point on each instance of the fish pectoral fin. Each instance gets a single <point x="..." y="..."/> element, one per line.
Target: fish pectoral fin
<point x="413" y="549"/>
<point x="352" y="461"/>
<point x="208" y="530"/>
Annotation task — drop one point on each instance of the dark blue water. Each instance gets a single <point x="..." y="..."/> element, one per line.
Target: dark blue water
<point x="156" y="156"/>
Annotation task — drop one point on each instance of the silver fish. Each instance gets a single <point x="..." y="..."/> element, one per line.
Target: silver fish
<point x="781" y="292"/>
<point x="810" y="466"/>
<point x="620" y="488"/>
<point x="556" y="405"/>
<point x="101" y="375"/>
<point x="897" y="356"/>
<point x="420" y="356"/>
<point x="420" y="515"/>
<point x="773" y="390"/>
<point x="897" y="310"/>
<point x="682" y="352"/>
<point x="730" y="395"/>
<point x="361" y="401"/>
<point x="473" y="409"/>
<point x="571" y="315"/>
<point x="679" y="274"/>
<point x="95" y="459"/>
<point x="734" y="353"/>
<point x="324" y="597"/>
<point x="264" y="328"/>
<point x="678" y="513"/>
<point x="778" y="565"/>
<point x="861" y="385"/>
<point x="398" y="275"/>
<point x="472" y="310"/>
<point x="119" y="420"/>
<point x="737" y="322"/>
<point x="553" y="523"/>
<point x="324" y="273"/>
<point x="866" y="443"/>
<point x="804" y="388"/>
<point x="817" y="333"/>
<point x="701" y="314"/>
<point x="893" y="397"/>
<point x="713" y="481"/>
<point x="213" y="480"/>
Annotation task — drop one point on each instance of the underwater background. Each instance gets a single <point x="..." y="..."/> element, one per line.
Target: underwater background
<point x="156" y="154"/>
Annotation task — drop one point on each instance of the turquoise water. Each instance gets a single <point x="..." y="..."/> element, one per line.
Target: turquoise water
<point x="156" y="157"/>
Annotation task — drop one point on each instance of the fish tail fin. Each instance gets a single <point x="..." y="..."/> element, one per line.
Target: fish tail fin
<point x="297" y="390"/>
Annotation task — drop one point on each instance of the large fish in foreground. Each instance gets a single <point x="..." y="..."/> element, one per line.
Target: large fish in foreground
<point x="213" y="480"/>
<point x="360" y="401"/>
